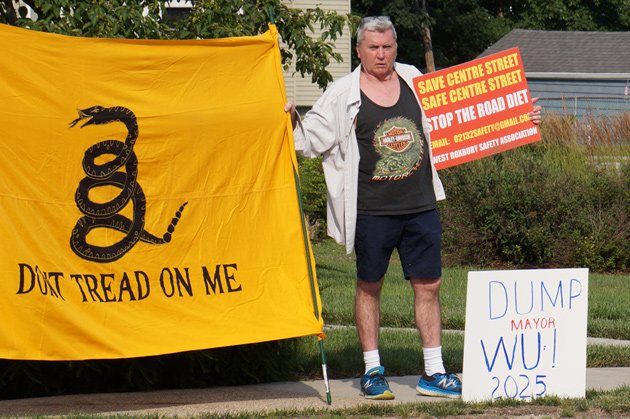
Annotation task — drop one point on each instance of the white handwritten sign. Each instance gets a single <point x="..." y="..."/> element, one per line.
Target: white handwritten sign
<point x="525" y="334"/>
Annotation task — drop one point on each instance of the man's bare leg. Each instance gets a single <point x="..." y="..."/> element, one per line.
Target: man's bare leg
<point x="435" y="381"/>
<point x="367" y="316"/>
<point x="367" y="313"/>
<point x="427" y="311"/>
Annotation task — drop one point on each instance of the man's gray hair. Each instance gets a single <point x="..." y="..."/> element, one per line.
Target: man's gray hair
<point x="375" y="24"/>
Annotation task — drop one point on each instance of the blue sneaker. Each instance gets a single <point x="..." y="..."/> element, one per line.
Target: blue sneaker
<point x="440" y="385"/>
<point x="374" y="385"/>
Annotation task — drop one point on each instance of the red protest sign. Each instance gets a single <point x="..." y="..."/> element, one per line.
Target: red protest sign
<point x="477" y="109"/>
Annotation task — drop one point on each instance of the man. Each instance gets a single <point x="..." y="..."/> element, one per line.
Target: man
<point x="382" y="192"/>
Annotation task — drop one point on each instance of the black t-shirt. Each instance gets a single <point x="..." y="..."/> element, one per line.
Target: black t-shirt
<point x="394" y="172"/>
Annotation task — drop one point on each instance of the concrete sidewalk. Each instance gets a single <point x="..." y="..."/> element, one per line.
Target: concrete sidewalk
<point x="252" y="398"/>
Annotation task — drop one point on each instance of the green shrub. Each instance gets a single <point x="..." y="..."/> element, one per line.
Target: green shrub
<point x="548" y="204"/>
<point x="313" y="190"/>
<point x="561" y="202"/>
<point x="236" y="365"/>
<point x="604" y="244"/>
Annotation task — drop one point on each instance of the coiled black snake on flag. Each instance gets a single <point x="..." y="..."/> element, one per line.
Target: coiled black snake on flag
<point x="106" y="215"/>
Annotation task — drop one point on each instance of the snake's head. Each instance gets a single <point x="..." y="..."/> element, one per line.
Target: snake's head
<point x="91" y="114"/>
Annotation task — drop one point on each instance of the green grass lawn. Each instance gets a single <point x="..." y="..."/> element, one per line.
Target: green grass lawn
<point x="608" y="317"/>
<point x="596" y="404"/>
<point x="608" y="307"/>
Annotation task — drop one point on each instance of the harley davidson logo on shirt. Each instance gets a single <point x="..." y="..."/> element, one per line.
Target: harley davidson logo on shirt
<point x="396" y="139"/>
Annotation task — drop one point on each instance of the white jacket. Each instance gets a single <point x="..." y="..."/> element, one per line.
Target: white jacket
<point x="328" y="130"/>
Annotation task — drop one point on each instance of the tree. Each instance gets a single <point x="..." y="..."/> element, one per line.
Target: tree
<point x="148" y="19"/>
<point x="7" y="12"/>
<point x="427" y="42"/>
<point x="573" y="15"/>
<point x="407" y="18"/>
<point x="99" y="18"/>
<point x="214" y="18"/>
<point x="462" y="29"/>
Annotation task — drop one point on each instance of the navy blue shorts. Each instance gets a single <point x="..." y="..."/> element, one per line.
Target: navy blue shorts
<point x="417" y="237"/>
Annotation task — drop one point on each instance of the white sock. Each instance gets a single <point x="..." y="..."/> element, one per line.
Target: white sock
<point x="371" y="359"/>
<point x="433" y="360"/>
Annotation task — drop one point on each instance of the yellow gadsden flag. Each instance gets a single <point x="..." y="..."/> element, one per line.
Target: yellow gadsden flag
<point x="148" y="198"/>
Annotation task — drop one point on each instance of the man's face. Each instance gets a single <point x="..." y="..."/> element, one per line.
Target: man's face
<point x="377" y="52"/>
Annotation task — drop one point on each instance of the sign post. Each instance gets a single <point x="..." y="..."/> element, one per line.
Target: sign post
<point x="525" y="334"/>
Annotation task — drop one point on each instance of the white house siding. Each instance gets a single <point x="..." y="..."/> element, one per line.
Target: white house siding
<point x="301" y="90"/>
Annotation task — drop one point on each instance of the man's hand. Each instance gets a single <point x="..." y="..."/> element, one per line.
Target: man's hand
<point x="290" y="107"/>
<point x="535" y="115"/>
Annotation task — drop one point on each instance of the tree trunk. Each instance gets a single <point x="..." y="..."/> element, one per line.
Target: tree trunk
<point x="428" y="48"/>
<point x="426" y="41"/>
